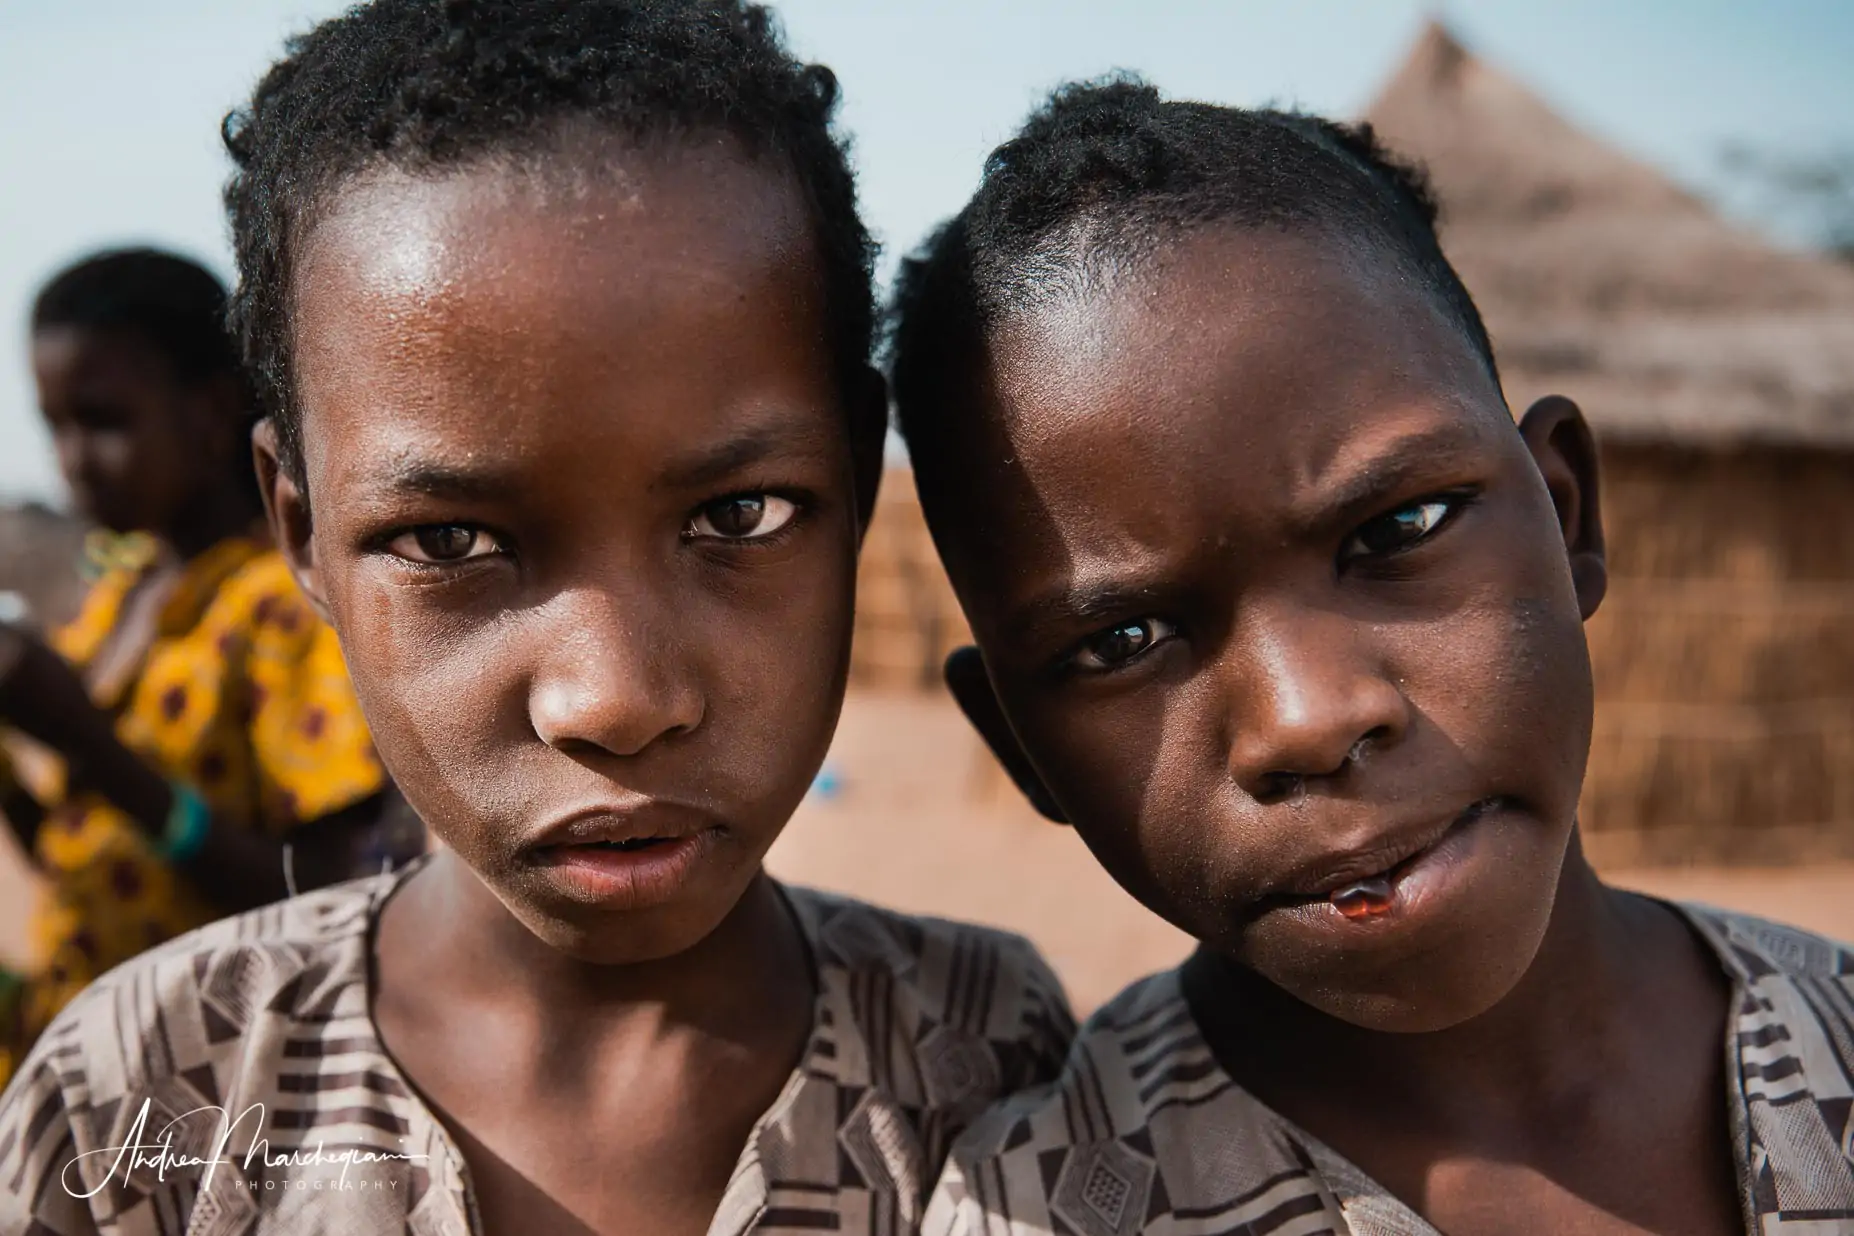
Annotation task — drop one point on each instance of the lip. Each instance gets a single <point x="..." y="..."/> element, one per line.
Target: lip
<point x="1417" y="864"/>
<point x="663" y="848"/>
<point x="613" y="822"/>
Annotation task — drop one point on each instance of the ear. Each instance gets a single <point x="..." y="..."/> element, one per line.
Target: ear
<point x="971" y="687"/>
<point x="286" y="510"/>
<point x="868" y="441"/>
<point x="1559" y="438"/>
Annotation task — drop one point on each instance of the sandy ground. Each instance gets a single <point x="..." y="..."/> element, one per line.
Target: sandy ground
<point x="922" y="820"/>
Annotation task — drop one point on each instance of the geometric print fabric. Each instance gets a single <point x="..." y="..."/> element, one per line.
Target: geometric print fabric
<point x="1145" y="1132"/>
<point x="918" y="1026"/>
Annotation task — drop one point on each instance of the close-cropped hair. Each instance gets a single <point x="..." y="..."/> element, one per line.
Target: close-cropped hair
<point x="171" y="303"/>
<point x="427" y="85"/>
<point x="1100" y="178"/>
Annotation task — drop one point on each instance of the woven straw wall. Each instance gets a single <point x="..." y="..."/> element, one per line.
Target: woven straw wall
<point x="907" y="618"/>
<point x="1724" y="659"/>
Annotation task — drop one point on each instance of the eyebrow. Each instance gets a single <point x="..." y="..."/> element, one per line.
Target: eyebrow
<point x="432" y="478"/>
<point x="710" y="465"/>
<point x="1081" y="601"/>
<point x="458" y="483"/>
<point x="1392" y="467"/>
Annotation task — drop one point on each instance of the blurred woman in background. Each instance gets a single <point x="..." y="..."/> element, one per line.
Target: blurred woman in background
<point x="189" y="745"/>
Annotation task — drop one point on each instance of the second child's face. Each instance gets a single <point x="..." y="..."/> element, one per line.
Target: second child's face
<point x="584" y="513"/>
<point x="1276" y="601"/>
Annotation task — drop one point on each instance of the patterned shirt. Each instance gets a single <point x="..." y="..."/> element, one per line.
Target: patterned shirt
<point x="919" y="1026"/>
<point x="1145" y="1132"/>
<point x="243" y="694"/>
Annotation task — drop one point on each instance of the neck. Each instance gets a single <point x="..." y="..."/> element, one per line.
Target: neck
<point x="748" y="976"/>
<point x="1538" y="1046"/>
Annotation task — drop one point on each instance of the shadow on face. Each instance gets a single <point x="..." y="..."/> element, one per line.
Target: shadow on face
<point x="1278" y="607"/>
<point x="581" y="502"/>
<point x="137" y="447"/>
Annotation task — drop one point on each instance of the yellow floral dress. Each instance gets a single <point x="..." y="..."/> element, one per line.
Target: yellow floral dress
<point x="243" y="695"/>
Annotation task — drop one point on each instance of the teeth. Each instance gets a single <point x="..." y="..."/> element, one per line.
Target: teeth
<point x="1364" y="898"/>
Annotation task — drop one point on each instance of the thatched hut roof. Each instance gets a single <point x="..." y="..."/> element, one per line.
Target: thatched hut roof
<point x="1601" y="279"/>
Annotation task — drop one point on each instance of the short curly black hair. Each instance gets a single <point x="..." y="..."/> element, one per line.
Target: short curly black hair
<point x="172" y="303"/>
<point x="422" y="84"/>
<point x="1096" y="179"/>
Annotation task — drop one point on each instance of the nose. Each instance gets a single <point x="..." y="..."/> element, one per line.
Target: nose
<point x="613" y="680"/>
<point x="1310" y="701"/>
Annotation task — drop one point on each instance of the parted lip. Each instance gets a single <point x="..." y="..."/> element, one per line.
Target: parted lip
<point x="1383" y="850"/>
<point x="634" y="820"/>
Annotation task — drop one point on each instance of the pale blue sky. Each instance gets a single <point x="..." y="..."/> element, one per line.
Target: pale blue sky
<point x="109" y="109"/>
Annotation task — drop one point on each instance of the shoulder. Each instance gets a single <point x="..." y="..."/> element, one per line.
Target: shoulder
<point x="1758" y="949"/>
<point x="192" y="1003"/>
<point x="919" y="1025"/>
<point x="261" y="1012"/>
<point x="1141" y="1122"/>
<point x="1139" y="1053"/>
<point x="964" y="977"/>
<point x="1791" y="1036"/>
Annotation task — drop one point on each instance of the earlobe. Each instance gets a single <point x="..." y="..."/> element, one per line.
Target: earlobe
<point x="1562" y="446"/>
<point x="971" y="687"/>
<point x="286" y="510"/>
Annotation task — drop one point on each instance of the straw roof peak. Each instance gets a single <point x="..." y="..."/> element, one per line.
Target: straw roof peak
<point x="1601" y="277"/>
<point x="1438" y="56"/>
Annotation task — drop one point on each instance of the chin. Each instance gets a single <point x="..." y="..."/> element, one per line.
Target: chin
<point x="1424" y="1006"/>
<point x="603" y="936"/>
<point x="1452" y="979"/>
<point x="629" y="939"/>
<point x="99" y="514"/>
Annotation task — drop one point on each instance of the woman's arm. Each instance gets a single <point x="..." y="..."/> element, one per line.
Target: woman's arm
<point x="42" y="696"/>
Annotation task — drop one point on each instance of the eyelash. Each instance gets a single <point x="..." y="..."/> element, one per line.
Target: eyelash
<point x="800" y="504"/>
<point x="391" y="543"/>
<point x="1164" y="631"/>
<point x="800" y="507"/>
<point x="1452" y="504"/>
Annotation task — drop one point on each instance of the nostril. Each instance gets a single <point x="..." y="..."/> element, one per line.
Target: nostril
<point x="1357" y="754"/>
<point x="1365" y="744"/>
<point x="1280" y="787"/>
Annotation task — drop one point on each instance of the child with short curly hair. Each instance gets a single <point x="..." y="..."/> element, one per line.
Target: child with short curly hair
<point x="1278" y="607"/>
<point x="561" y="311"/>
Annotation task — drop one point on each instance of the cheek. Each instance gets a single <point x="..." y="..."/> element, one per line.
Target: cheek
<point x="1134" y="773"/>
<point x="439" y="694"/>
<point x="772" y="649"/>
<point x="1512" y="696"/>
<point x="121" y="458"/>
<point x="449" y="687"/>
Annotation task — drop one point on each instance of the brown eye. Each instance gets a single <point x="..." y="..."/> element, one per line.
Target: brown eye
<point x="1399" y="529"/>
<point x="743" y="517"/>
<point x="1119" y="645"/>
<point x="443" y="543"/>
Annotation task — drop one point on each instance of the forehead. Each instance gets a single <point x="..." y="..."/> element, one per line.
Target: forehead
<point x="603" y="278"/>
<point x="1228" y="381"/>
<point x="96" y="361"/>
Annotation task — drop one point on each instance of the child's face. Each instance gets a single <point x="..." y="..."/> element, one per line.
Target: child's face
<point x="136" y="446"/>
<point x="584" y="512"/>
<point x="1276" y="599"/>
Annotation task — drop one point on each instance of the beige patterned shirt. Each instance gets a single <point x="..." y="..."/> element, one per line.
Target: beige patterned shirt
<point x="1145" y="1132"/>
<point x="242" y="1066"/>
